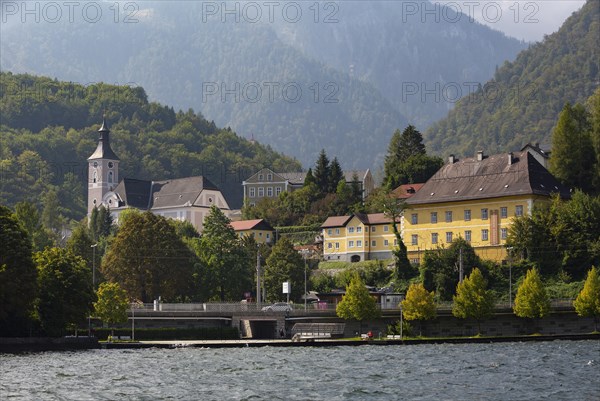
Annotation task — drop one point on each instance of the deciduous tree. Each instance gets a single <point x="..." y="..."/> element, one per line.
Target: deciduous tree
<point x="111" y="306"/>
<point x="472" y="299"/>
<point x="284" y="264"/>
<point x="419" y="304"/>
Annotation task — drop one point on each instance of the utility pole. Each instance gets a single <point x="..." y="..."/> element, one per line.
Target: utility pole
<point x="258" y="294"/>
<point x="461" y="272"/>
<point x="509" y="249"/>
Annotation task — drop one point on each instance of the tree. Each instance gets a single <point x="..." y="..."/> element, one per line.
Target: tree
<point x="322" y="172"/>
<point x="149" y="260"/>
<point x="587" y="302"/>
<point x="29" y="216"/>
<point x="532" y="300"/>
<point x="472" y="300"/>
<point x="310" y="178"/>
<point x="65" y="289"/>
<point x="111" y="306"/>
<point x="101" y="223"/>
<point x="336" y="174"/>
<point x="573" y="157"/>
<point x="284" y="264"/>
<point x="229" y="270"/>
<point x="52" y="217"/>
<point x="357" y="303"/>
<point x="80" y="244"/>
<point x="419" y="304"/>
<point x="18" y="275"/>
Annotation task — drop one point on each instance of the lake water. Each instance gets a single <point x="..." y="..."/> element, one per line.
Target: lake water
<point x="560" y="370"/>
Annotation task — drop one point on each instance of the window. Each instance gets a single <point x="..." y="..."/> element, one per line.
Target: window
<point x="415" y="239"/>
<point x="386" y="229"/>
<point x="519" y="211"/>
<point x="373" y="229"/>
<point x="467" y="214"/>
<point x="503" y="233"/>
<point x="414" y="218"/>
<point x="434" y="238"/>
<point x="373" y="243"/>
<point x="503" y="212"/>
<point x="485" y="234"/>
<point x="269" y="177"/>
<point x="95" y="178"/>
<point x="337" y="231"/>
<point x="329" y="245"/>
<point x="484" y="214"/>
<point x="350" y="244"/>
<point x="270" y="192"/>
<point x="337" y="245"/>
<point x="268" y="236"/>
<point x="329" y="231"/>
<point x="350" y="230"/>
<point x="359" y="229"/>
<point x="468" y="235"/>
<point x="261" y="192"/>
<point x="277" y="191"/>
<point x="252" y="192"/>
<point x="110" y="176"/>
<point x="433" y="217"/>
<point x="358" y="243"/>
<point x="448" y="237"/>
<point x="386" y="242"/>
<point x="261" y="177"/>
<point x="395" y="242"/>
<point x="448" y="216"/>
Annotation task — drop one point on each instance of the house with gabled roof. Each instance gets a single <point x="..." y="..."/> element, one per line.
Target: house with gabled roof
<point x="477" y="199"/>
<point x="268" y="184"/>
<point x="257" y="228"/>
<point x="358" y="237"/>
<point x="187" y="199"/>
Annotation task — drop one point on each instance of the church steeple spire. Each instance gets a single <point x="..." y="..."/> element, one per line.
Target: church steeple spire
<point x="103" y="150"/>
<point x="103" y="170"/>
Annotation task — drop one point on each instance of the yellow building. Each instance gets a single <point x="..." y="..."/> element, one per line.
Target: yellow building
<point x="259" y="229"/>
<point x="358" y="237"/>
<point x="476" y="199"/>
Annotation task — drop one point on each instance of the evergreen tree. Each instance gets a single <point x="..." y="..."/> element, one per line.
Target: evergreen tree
<point x="18" y="276"/>
<point x="29" y="217"/>
<point x="284" y="264"/>
<point x="593" y="106"/>
<point x="229" y="270"/>
<point x="419" y="304"/>
<point x="587" y="302"/>
<point x="52" y="217"/>
<point x="65" y="290"/>
<point x="532" y="300"/>
<point x="80" y="244"/>
<point x="573" y="157"/>
<point x="322" y="172"/>
<point x="472" y="299"/>
<point x="335" y="175"/>
<point x="310" y="178"/>
<point x="357" y="303"/>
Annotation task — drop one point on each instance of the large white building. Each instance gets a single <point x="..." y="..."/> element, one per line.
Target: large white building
<point x="186" y="199"/>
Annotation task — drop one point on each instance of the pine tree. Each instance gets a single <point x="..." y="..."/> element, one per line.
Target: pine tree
<point x="357" y="303"/>
<point x="532" y="300"/>
<point x="335" y="175"/>
<point x="573" y="155"/>
<point x="322" y="172"/>
<point x="472" y="300"/>
<point x="587" y="302"/>
<point x="310" y="178"/>
<point x="419" y="304"/>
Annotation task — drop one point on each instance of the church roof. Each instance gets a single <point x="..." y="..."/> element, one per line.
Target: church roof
<point x="494" y="176"/>
<point x="144" y="194"/>
<point x="103" y="150"/>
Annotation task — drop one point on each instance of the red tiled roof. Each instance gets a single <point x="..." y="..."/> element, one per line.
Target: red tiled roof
<point x="405" y="191"/>
<point x="257" y="224"/>
<point x="336" y="221"/>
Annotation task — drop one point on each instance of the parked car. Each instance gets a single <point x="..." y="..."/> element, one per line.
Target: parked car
<point x="278" y="307"/>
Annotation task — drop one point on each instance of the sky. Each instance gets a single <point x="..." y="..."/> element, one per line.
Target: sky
<point x="522" y="19"/>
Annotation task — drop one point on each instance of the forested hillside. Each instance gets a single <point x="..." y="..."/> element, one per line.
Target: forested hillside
<point x="48" y="130"/>
<point x="522" y="102"/>
<point x="351" y="71"/>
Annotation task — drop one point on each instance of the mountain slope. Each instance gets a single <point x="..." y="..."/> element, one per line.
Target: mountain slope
<point x="522" y="102"/>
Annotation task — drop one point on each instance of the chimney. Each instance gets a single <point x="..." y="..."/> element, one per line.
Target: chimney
<point x="511" y="158"/>
<point x="479" y="155"/>
<point x="451" y="159"/>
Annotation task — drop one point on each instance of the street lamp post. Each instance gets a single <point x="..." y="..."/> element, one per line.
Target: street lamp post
<point x="509" y="276"/>
<point x="94" y="265"/>
<point x="305" y="254"/>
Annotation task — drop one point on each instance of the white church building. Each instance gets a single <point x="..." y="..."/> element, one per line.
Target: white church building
<point x="186" y="199"/>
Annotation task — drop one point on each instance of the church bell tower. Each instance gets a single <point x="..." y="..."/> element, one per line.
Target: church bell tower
<point x="103" y="170"/>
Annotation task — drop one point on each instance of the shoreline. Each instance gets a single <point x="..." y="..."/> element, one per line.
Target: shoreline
<point x="25" y="345"/>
